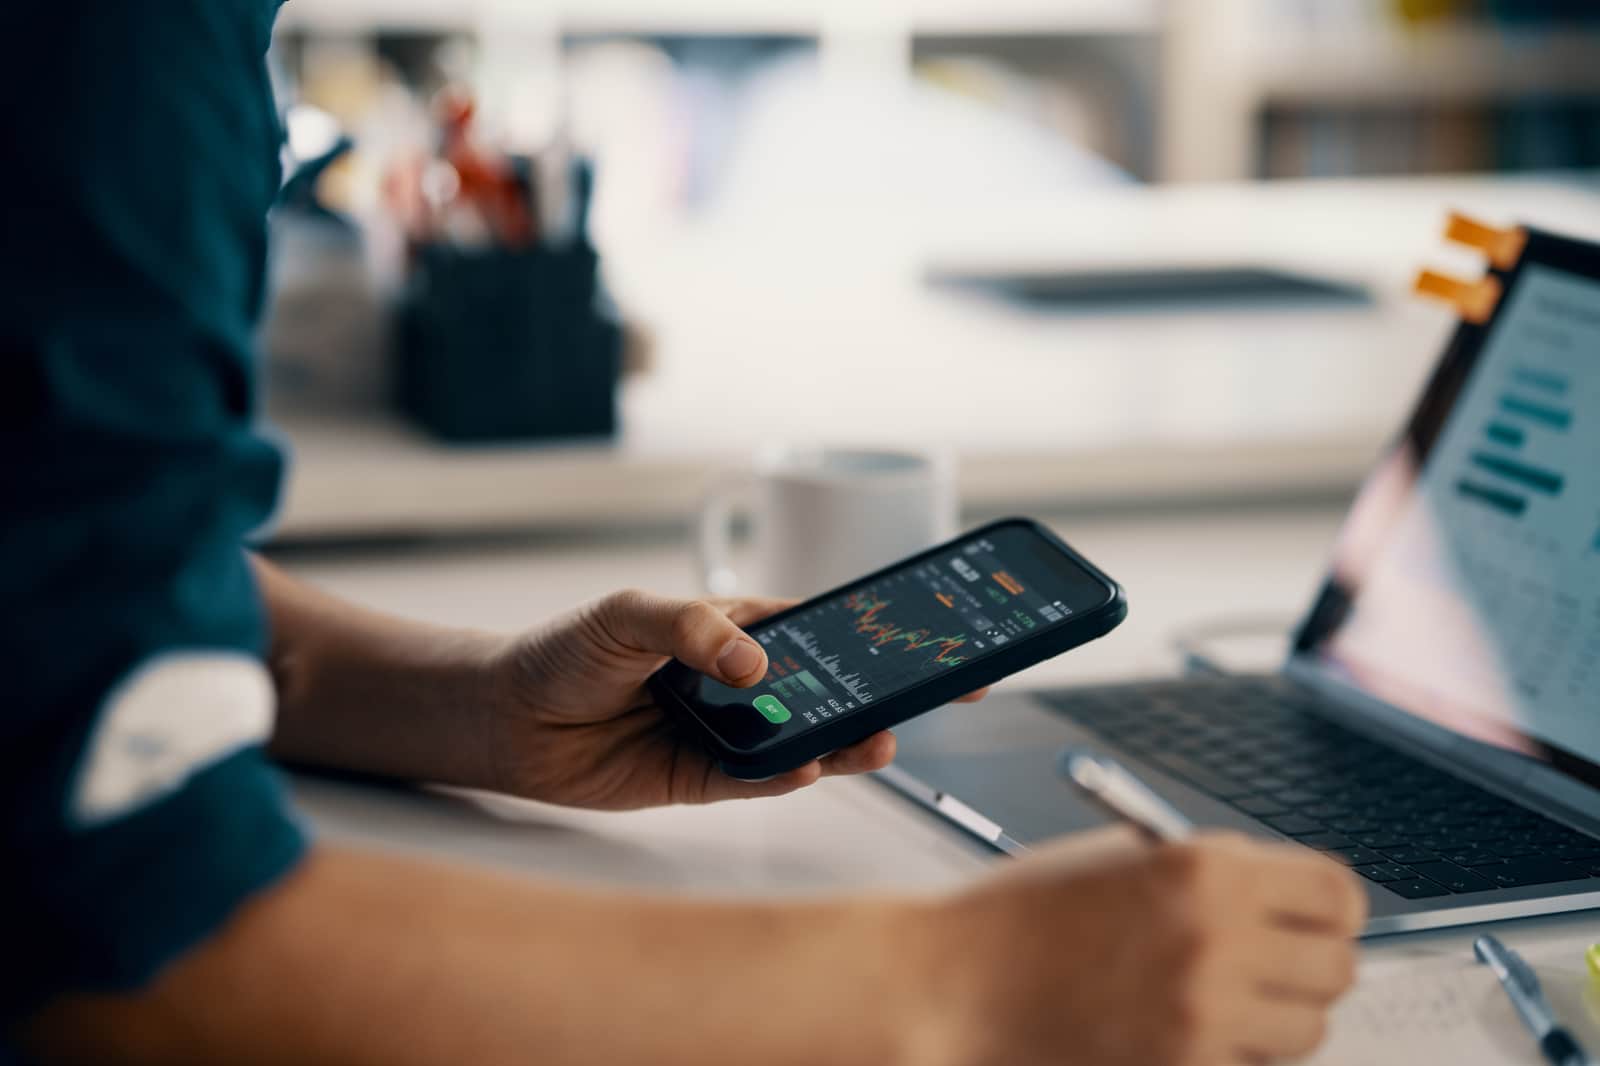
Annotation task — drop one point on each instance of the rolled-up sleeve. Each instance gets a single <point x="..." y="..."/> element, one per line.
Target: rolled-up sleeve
<point x="139" y="809"/>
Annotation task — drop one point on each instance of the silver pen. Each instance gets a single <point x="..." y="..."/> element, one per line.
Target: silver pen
<point x="1557" y="1044"/>
<point x="1123" y="795"/>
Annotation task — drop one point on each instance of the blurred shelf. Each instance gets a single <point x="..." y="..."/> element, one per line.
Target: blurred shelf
<point x="373" y="476"/>
<point x="359" y="16"/>
<point x="1456" y="64"/>
<point x="1229" y="62"/>
<point x="691" y="17"/>
<point x="1034" y="17"/>
<point x="732" y="17"/>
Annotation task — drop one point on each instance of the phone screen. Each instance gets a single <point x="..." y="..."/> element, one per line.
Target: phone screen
<point x="881" y="638"/>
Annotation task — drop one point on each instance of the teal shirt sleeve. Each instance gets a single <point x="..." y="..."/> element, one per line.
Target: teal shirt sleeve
<point x="139" y="811"/>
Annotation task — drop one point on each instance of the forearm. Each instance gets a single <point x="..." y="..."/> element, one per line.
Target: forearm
<point x="366" y="959"/>
<point x="358" y="690"/>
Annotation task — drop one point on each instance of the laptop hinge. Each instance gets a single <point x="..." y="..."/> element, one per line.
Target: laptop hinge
<point x="1510" y="774"/>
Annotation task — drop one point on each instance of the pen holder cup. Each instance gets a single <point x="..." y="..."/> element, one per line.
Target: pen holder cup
<point x="507" y="344"/>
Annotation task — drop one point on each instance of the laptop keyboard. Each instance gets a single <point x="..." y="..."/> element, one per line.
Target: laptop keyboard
<point x="1254" y="744"/>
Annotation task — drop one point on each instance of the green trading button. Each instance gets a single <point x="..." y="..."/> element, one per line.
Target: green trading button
<point x="771" y="709"/>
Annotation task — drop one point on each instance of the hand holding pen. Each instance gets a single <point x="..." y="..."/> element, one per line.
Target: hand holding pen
<point x="1236" y="949"/>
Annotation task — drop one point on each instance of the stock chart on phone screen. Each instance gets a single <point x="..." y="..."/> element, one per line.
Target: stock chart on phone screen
<point x="881" y="638"/>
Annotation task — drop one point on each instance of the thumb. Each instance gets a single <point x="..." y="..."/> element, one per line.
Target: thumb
<point x="694" y="632"/>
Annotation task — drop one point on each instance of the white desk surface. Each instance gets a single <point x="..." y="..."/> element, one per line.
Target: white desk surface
<point x="843" y="834"/>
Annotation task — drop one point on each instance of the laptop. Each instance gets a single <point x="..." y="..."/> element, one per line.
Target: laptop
<point x="1436" y="726"/>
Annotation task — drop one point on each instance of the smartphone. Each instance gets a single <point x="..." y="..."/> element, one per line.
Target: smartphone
<point x="895" y="644"/>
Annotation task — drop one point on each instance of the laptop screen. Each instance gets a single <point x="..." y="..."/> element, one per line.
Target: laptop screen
<point x="1466" y="584"/>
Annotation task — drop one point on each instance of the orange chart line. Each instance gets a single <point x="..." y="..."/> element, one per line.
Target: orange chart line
<point x="945" y="599"/>
<point x="1007" y="582"/>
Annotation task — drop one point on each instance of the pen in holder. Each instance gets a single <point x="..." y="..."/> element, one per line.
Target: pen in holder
<point x="503" y="332"/>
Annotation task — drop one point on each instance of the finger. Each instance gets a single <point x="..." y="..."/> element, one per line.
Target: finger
<point x="1072" y="854"/>
<point x="1312" y="969"/>
<point x="722" y="787"/>
<point x="974" y="697"/>
<point x="1319" y="894"/>
<point x="752" y="609"/>
<point x="1301" y="888"/>
<point x="874" y="753"/>
<point x="695" y="632"/>
<point x="1275" y="1030"/>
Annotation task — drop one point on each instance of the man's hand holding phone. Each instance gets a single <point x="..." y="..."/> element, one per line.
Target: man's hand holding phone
<point x="569" y="720"/>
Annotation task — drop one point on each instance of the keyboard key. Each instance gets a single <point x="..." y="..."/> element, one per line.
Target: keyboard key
<point x="1324" y="841"/>
<point x="1295" y="797"/>
<point x="1536" y="870"/>
<point x="1293" y="825"/>
<point x="1349" y="823"/>
<point x="1514" y="849"/>
<point x="1449" y="819"/>
<point x="1378" y="840"/>
<point x="1477" y="860"/>
<point x="1550" y="833"/>
<point x="1479" y="834"/>
<point x="1244" y="770"/>
<point x="1454" y="877"/>
<point x="1260" y="806"/>
<point x="1418" y="888"/>
<point x="1465" y="854"/>
<point x="1204" y="779"/>
<point x="1419" y="833"/>
<point x="1407" y="854"/>
<point x="1385" y="871"/>
<point x="1356" y="856"/>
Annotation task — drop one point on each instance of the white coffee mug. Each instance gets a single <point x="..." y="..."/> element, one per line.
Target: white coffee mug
<point x="823" y="516"/>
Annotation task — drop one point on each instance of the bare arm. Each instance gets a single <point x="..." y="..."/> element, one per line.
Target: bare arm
<point x="364" y="691"/>
<point x="359" y="958"/>
<point x="1218" y="953"/>
<point x="559" y="713"/>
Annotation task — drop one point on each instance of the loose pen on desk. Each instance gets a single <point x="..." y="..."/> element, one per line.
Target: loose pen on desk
<point x="1521" y="984"/>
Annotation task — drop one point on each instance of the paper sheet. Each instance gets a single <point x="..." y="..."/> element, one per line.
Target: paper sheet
<point x="1453" y="1012"/>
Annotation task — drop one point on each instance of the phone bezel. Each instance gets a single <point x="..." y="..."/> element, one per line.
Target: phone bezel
<point x="673" y="684"/>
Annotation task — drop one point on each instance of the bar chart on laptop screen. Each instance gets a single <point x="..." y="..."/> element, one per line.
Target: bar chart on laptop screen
<point x="1534" y="407"/>
<point x="1514" y="484"/>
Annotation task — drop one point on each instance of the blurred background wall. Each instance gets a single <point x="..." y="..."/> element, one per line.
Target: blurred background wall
<point x="773" y="193"/>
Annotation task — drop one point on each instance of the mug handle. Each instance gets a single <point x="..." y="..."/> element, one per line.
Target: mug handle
<point x="714" y="536"/>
